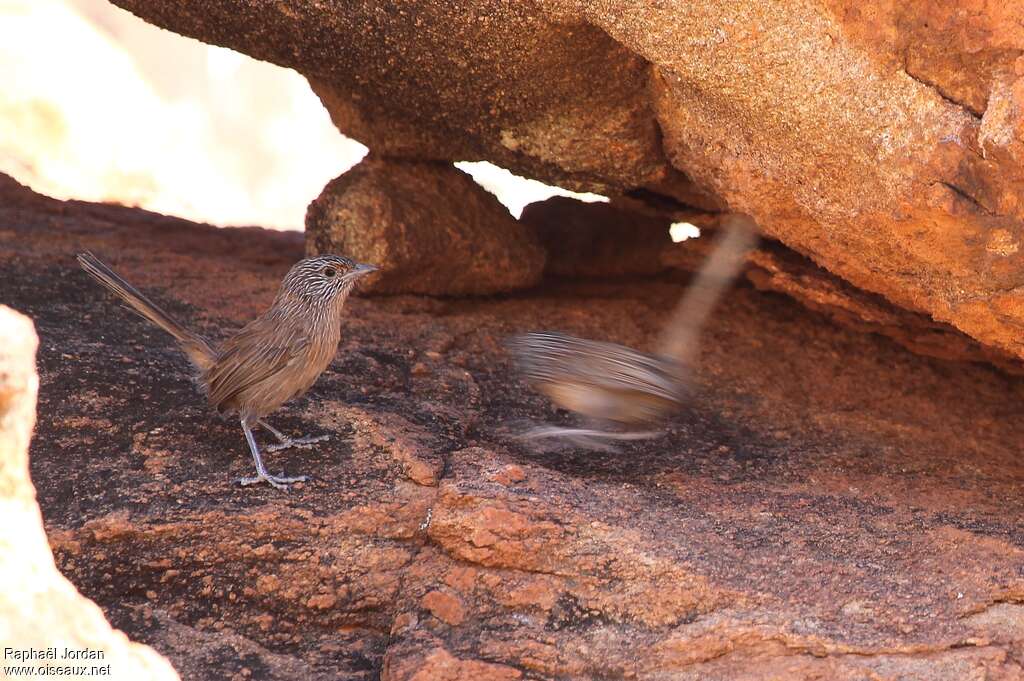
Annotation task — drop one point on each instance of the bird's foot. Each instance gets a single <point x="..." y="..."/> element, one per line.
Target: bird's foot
<point x="279" y="481"/>
<point x="596" y="439"/>
<point x="297" y="443"/>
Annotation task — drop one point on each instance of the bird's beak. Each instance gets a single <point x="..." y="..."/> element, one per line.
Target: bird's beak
<point x="361" y="270"/>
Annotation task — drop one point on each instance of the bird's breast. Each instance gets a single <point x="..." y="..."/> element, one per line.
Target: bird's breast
<point x="319" y="354"/>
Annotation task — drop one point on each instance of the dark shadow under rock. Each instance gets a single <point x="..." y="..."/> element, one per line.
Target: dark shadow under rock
<point x="597" y="239"/>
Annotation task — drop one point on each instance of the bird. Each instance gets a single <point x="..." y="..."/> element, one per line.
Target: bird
<point x="271" y="360"/>
<point x="601" y="381"/>
<point x="604" y="382"/>
<point x="620" y="388"/>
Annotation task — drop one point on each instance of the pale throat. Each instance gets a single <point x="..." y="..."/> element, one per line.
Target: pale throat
<point x="318" y="311"/>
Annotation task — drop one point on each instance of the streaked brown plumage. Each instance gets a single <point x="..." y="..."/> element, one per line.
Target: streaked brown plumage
<point x="272" y="359"/>
<point x="611" y="383"/>
<point x="599" y="380"/>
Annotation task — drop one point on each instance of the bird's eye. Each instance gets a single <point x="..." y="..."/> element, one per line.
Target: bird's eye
<point x="329" y="272"/>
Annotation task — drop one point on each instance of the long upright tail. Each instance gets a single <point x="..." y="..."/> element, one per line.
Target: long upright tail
<point x="195" y="346"/>
<point x="679" y="339"/>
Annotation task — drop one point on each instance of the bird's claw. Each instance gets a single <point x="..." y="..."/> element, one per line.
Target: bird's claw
<point x="297" y="443"/>
<point x="279" y="481"/>
<point x="600" y="440"/>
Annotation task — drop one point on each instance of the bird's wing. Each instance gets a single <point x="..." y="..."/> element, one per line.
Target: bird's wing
<point x="255" y="354"/>
<point x="556" y="357"/>
<point x="616" y="367"/>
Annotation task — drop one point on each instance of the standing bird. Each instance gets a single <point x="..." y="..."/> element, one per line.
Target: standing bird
<point x="612" y="384"/>
<point x="272" y="359"/>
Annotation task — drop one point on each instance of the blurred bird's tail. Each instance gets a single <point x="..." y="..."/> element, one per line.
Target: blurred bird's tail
<point x="195" y="346"/>
<point x="679" y="339"/>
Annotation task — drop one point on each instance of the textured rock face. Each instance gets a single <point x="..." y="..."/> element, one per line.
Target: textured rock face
<point x="960" y="49"/>
<point x="882" y="140"/>
<point x="597" y="239"/>
<point x="428" y="226"/>
<point x="831" y="506"/>
<point x="39" y="609"/>
<point x="771" y="267"/>
<point x="456" y="61"/>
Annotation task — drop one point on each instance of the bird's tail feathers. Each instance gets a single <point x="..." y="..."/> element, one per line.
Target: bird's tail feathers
<point x="195" y="346"/>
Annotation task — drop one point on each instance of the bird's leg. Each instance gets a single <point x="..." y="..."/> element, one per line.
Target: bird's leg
<point x="261" y="472"/>
<point x="285" y="442"/>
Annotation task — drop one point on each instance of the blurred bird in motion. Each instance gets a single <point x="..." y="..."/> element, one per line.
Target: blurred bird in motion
<point x="272" y="359"/>
<point x="625" y="392"/>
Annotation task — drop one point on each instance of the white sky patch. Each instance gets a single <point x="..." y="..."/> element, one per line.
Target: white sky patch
<point x="222" y="63"/>
<point x="217" y="137"/>
<point x="516" y="192"/>
<point x="681" y="231"/>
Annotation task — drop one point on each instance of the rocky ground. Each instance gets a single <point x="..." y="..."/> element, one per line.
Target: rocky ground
<point x="830" y="506"/>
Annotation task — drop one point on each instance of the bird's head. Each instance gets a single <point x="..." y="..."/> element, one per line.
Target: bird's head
<point x="325" y="278"/>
